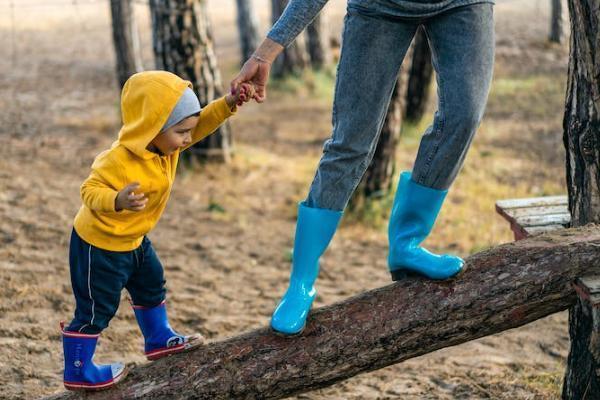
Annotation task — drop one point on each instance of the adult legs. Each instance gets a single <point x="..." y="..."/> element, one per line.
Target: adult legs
<point x="462" y="44"/>
<point x="372" y="50"/>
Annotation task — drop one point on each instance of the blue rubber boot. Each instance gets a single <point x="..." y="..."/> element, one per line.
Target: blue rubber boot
<point x="314" y="230"/>
<point x="81" y="373"/>
<point x="415" y="210"/>
<point x="160" y="340"/>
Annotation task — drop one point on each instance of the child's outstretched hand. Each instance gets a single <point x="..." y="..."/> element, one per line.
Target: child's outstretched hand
<point x="127" y="199"/>
<point x="245" y="93"/>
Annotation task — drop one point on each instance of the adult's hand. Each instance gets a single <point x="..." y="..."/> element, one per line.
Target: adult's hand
<point x="256" y="70"/>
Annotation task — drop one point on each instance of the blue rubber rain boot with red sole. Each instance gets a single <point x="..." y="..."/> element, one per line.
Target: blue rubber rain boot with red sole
<point x="160" y="340"/>
<point x="81" y="373"/>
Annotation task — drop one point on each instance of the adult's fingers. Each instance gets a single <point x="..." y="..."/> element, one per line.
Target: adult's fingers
<point x="261" y="94"/>
<point x="247" y="73"/>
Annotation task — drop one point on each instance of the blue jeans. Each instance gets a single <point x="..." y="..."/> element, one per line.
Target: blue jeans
<point x="99" y="276"/>
<point x="373" y="48"/>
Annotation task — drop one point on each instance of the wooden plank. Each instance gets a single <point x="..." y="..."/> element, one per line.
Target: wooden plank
<point x="533" y="202"/>
<point x="543" y="210"/>
<point x="588" y="288"/>
<point x="536" y="230"/>
<point x="542" y="220"/>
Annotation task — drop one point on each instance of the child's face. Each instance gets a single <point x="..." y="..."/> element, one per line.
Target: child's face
<point x="176" y="137"/>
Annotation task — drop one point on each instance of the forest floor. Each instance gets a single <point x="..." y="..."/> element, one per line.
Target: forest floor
<point x="226" y="234"/>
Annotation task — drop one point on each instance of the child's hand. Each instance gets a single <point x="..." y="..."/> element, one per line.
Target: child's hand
<point x="128" y="200"/>
<point x="245" y="93"/>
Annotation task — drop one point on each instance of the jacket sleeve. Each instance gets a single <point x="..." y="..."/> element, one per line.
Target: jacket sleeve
<point x="100" y="189"/>
<point x="211" y="117"/>
<point x="296" y="16"/>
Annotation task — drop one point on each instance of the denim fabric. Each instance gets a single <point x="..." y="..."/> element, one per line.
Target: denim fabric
<point x="98" y="276"/>
<point x="299" y="13"/>
<point x="373" y="47"/>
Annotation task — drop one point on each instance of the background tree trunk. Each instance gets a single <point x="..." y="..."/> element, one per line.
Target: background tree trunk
<point x="248" y="28"/>
<point x="582" y="143"/>
<point x="501" y="288"/>
<point x="556" y="22"/>
<point x="183" y="44"/>
<point x="125" y="39"/>
<point x="319" y="47"/>
<point x="419" y="78"/>
<point x="294" y="58"/>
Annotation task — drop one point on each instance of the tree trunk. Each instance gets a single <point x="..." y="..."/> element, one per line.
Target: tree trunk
<point x="319" y="49"/>
<point x="125" y="39"/>
<point x="419" y="81"/>
<point x="248" y="28"/>
<point x="502" y="288"/>
<point x="556" y="22"/>
<point x="294" y="59"/>
<point x="582" y="143"/>
<point x="183" y="44"/>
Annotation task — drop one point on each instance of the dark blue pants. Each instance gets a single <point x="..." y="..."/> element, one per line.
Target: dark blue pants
<point x="98" y="276"/>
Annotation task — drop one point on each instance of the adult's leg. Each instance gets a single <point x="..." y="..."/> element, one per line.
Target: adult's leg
<point x="373" y="48"/>
<point x="372" y="51"/>
<point x="462" y="44"/>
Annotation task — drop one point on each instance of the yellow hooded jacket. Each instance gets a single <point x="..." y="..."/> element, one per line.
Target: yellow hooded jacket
<point x="146" y="103"/>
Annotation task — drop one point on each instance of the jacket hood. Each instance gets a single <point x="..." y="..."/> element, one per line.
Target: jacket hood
<point x="147" y="100"/>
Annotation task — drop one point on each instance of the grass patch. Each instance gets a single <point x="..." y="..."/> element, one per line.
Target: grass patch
<point x="372" y="212"/>
<point x="535" y="97"/>
<point x="317" y="84"/>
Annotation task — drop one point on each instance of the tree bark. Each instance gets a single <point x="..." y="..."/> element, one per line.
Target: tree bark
<point x="125" y="39"/>
<point x="419" y="80"/>
<point x="319" y="48"/>
<point x="582" y="143"/>
<point x="183" y="44"/>
<point x="502" y="288"/>
<point x="294" y="59"/>
<point x="556" y="22"/>
<point x="248" y="28"/>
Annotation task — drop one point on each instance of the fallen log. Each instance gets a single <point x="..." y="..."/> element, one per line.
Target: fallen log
<point x="503" y="288"/>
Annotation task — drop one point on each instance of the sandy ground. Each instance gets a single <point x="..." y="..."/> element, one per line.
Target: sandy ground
<point x="226" y="269"/>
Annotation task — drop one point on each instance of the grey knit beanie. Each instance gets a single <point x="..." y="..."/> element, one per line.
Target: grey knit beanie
<point x="187" y="105"/>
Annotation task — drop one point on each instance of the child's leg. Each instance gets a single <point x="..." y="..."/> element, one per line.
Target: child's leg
<point x="146" y="285"/>
<point x="147" y="289"/>
<point x="97" y="277"/>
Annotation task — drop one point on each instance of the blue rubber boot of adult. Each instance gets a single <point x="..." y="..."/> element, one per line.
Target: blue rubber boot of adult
<point x="81" y="373"/>
<point x="415" y="210"/>
<point x="160" y="340"/>
<point x="314" y="229"/>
